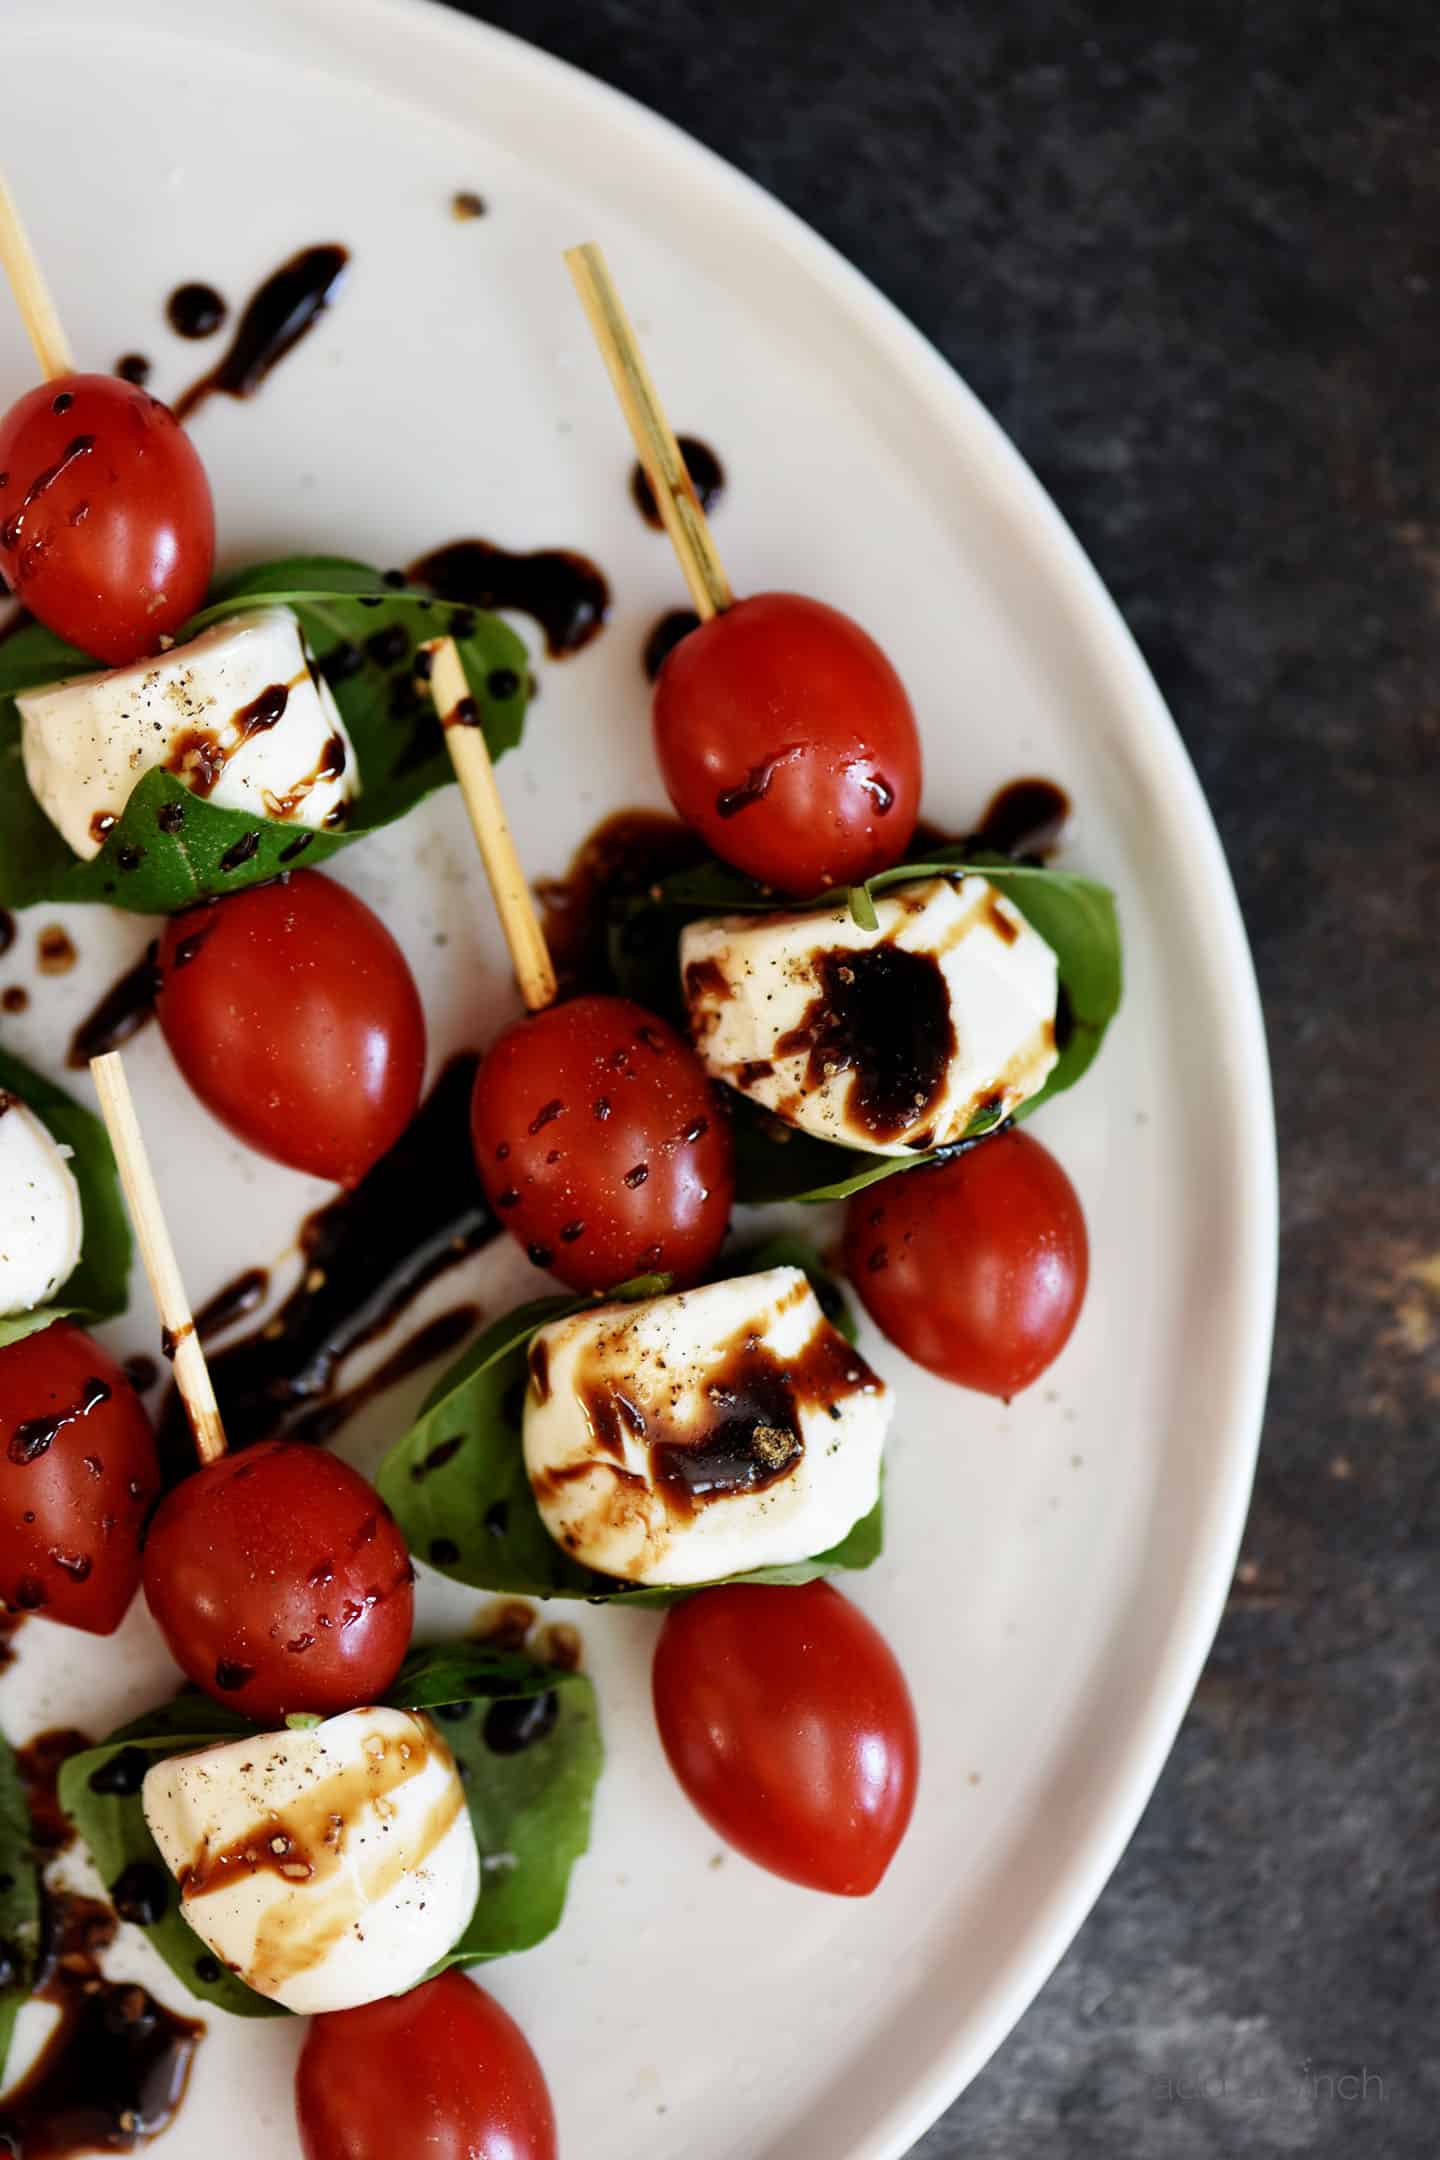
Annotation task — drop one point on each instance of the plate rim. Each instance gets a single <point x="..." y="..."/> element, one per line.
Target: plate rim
<point x="1135" y="1763"/>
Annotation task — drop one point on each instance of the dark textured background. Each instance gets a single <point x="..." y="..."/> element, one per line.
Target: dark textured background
<point x="1191" y="260"/>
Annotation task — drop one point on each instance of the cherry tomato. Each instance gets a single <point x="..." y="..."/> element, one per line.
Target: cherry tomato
<point x="107" y="530"/>
<point x="77" y="1478"/>
<point x="442" y="2071"/>
<point x="786" y="739"/>
<point x="280" y="1582"/>
<point x="977" y="1267"/>
<point x="603" y="1144"/>
<point x="787" y="1720"/>
<point x="291" y="1012"/>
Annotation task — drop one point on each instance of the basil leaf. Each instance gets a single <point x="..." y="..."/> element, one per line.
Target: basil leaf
<point x="456" y="1481"/>
<point x="19" y="1902"/>
<point x="97" y="1289"/>
<point x="773" y="1162"/>
<point x="345" y="611"/>
<point x="529" y="1802"/>
<point x="530" y="1805"/>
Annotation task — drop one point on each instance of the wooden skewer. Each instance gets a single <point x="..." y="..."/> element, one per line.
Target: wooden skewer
<point x="470" y="756"/>
<point x="32" y="294"/>
<point x="182" y="1344"/>
<point x="670" y="482"/>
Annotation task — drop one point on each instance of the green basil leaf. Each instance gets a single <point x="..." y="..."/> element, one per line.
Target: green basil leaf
<point x="399" y="746"/>
<point x="456" y="1481"/>
<point x="1075" y="915"/>
<point x="19" y="1902"/>
<point x="530" y="1807"/>
<point x="97" y="1289"/>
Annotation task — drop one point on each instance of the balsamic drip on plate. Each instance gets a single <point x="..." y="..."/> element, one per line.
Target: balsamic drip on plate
<point x="274" y="320"/>
<point x="126" y="1007"/>
<point x="707" y="477"/>
<point x="625" y="856"/>
<point x="195" y="311"/>
<point x="113" y="2072"/>
<point x="1024" y="818"/>
<point x="564" y="592"/>
<point x="367" y="1254"/>
<point x="663" y="639"/>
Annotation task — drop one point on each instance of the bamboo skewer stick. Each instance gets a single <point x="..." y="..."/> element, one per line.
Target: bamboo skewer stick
<point x="182" y="1344"/>
<point x="465" y="740"/>
<point x="32" y="294"/>
<point x="659" y="453"/>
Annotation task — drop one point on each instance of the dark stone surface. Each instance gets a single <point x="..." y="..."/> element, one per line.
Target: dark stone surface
<point x="1191" y="259"/>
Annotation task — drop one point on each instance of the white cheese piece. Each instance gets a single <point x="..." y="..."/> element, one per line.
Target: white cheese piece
<point x="326" y="1866"/>
<point x="41" y="1224"/>
<point x="891" y="1039"/>
<point x="689" y="1437"/>
<point x="237" y="714"/>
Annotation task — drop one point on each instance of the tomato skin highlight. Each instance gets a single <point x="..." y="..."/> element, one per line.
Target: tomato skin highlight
<point x="787" y="1720"/>
<point x="786" y="739"/>
<point x="291" y="1011"/>
<point x="603" y="1145"/>
<point x="99" y="1467"/>
<point x="442" y="2071"/>
<point x="107" y="528"/>
<point x="280" y="1582"/>
<point x="975" y="1267"/>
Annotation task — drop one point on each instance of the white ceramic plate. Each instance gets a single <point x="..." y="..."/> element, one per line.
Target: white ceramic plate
<point x="1054" y="1572"/>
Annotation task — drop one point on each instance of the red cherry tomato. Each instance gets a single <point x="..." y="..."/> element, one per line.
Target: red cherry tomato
<point x="442" y="2071"/>
<point x="291" y="1012"/>
<point x="786" y="739"/>
<point x="977" y="1267"/>
<point x="107" y="530"/>
<point x="787" y="1720"/>
<point x="77" y="1478"/>
<point x="603" y="1145"/>
<point x="280" y="1582"/>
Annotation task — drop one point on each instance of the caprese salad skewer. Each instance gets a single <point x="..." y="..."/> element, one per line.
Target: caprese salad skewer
<point x="331" y="1861"/>
<point x="597" y="1132"/>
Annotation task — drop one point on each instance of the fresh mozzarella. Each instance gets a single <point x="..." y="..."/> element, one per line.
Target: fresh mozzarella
<point x="326" y="1866"/>
<point x="890" y="1039"/>
<point x="40" y="1218"/>
<point x="705" y="1434"/>
<point x="239" y="715"/>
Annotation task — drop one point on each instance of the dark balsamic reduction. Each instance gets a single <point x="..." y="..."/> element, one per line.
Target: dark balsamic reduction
<point x="751" y="1436"/>
<point x="127" y="1006"/>
<point x="10" y="1626"/>
<point x="195" y="311"/>
<point x="7" y="930"/>
<point x="15" y="999"/>
<point x="33" y="1437"/>
<point x="1025" y="818"/>
<point x="466" y="205"/>
<point x="707" y="477"/>
<point x="516" y="1722"/>
<point x="665" y="636"/>
<point x="54" y="951"/>
<point x="438" y="1338"/>
<point x="141" y="1371"/>
<point x="284" y="308"/>
<point x="624" y="857"/>
<point x="113" y="2072"/>
<point x="39" y="1763"/>
<point x="133" y="367"/>
<point x="232" y="1302"/>
<point x="882" y="1014"/>
<point x="565" y="593"/>
<point x="367" y="1254"/>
